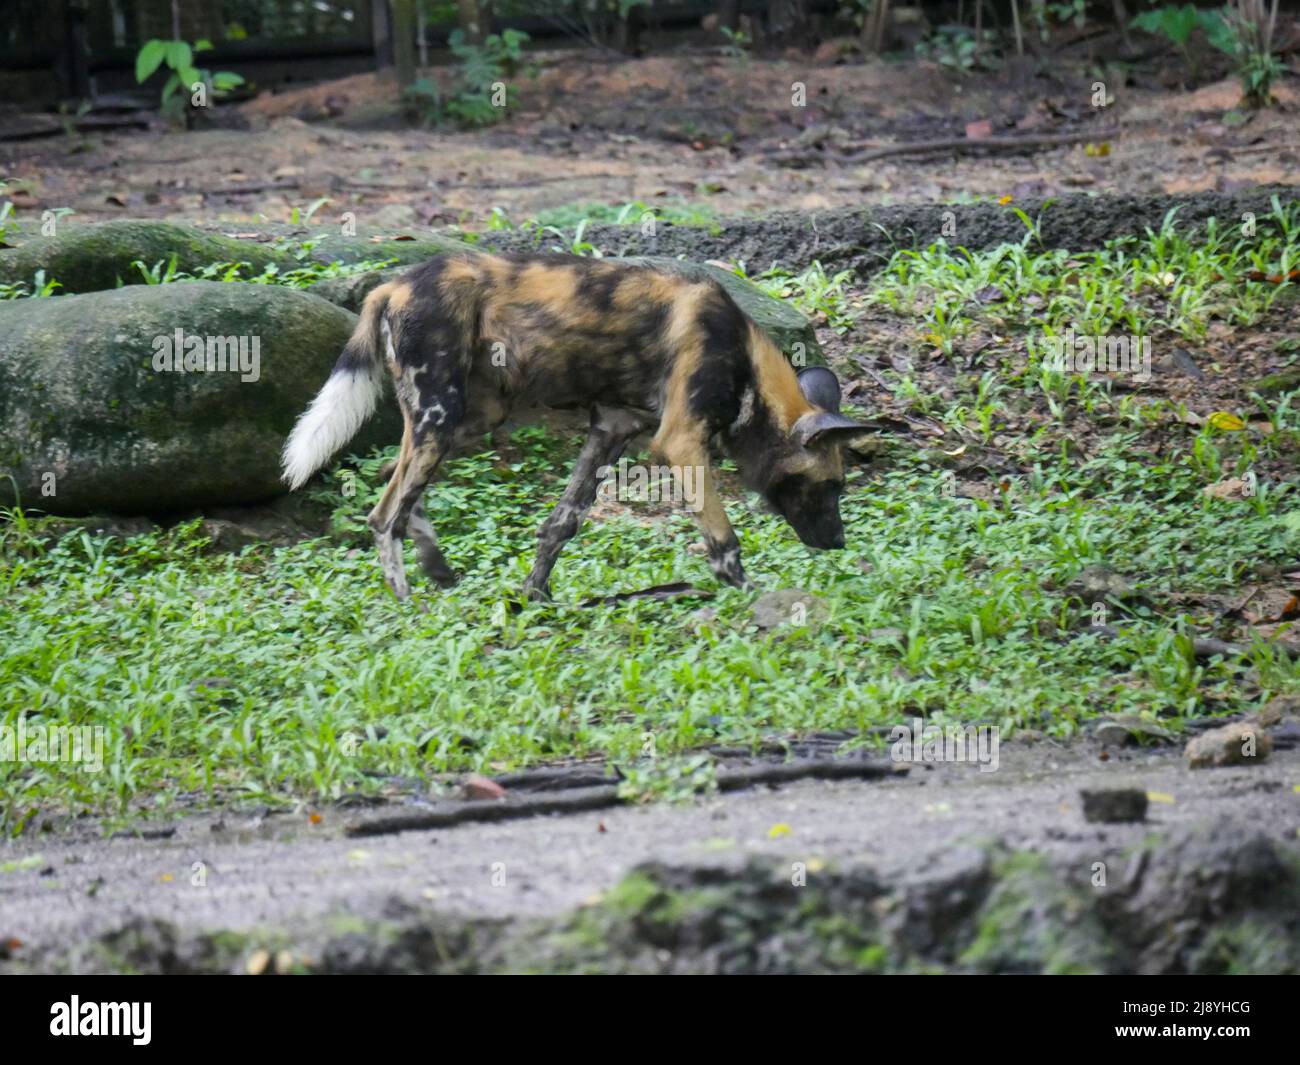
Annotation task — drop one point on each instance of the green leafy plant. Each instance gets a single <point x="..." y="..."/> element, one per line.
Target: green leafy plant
<point x="6" y="212"/>
<point x="672" y="779"/>
<point x="1177" y="24"/>
<point x="956" y="47"/>
<point x="481" y="93"/>
<point x="738" y="44"/>
<point x="1247" y="35"/>
<point x="40" y="288"/>
<point x="1243" y="30"/>
<point x="300" y="217"/>
<point x="178" y="57"/>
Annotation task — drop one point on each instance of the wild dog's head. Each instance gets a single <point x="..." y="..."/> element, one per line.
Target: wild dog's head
<point x="802" y="471"/>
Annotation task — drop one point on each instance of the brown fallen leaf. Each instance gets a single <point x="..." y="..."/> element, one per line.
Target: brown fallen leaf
<point x="1274" y="279"/>
<point x="480" y="788"/>
<point x="1229" y="488"/>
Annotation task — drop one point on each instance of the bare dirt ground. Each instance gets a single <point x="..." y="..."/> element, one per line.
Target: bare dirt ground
<point x="660" y="129"/>
<point x="250" y="870"/>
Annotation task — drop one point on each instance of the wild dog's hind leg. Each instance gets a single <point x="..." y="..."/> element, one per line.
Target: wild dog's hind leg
<point x="388" y="521"/>
<point x="611" y="429"/>
<point x="432" y="560"/>
<point x="688" y="454"/>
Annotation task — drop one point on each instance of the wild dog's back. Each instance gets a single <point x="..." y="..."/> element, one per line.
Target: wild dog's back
<point x="573" y="331"/>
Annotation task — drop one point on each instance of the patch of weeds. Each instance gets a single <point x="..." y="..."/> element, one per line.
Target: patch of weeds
<point x="40" y="287"/>
<point x="308" y="273"/>
<point x="819" y="295"/>
<point x="670" y="779"/>
<point x="311" y="649"/>
<point x="481" y="92"/>
<point x="1163" y="280"/>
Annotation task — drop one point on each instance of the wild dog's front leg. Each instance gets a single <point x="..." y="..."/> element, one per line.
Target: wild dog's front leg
<point x="389" y="520"/>
<point x="689" y="459"/>
<point x="610" y="431"/>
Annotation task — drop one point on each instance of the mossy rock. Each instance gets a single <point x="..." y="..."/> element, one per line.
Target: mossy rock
<point x="81" y="397"/>
<point x="93" y="257"/>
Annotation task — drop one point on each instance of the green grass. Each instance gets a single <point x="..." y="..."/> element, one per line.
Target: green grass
<point x="562" y="229"/>
<point x="679" y="212"/>
<point x="291" y="675"/>
<point x="821" y="296"/>
<point x="1164" y="280"/>
<point x="318" y="683"/>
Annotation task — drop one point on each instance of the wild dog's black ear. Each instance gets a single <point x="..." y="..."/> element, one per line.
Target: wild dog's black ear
<point x="820" y="386"/>
<point x="818" y="428"/>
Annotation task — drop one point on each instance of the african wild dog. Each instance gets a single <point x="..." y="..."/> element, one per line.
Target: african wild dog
<point x="469" y="337"/>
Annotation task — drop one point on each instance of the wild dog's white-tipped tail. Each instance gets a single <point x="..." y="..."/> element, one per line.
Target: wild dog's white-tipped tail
<point x="343" y="405"/>
<point x="335" y="415"/>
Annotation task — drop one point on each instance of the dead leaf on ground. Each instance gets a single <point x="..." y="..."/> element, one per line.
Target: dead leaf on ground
<point x="1229" y="488"/>
<point x="478" y="787"/>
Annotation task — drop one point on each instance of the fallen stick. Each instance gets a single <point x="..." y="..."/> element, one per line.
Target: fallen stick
<point x="46" y="126"/>
<point x="252" y="186"/>
<point x="576" y="800"/>
<point x="528" y="182"/>
<point x="1255" y="149"/>
<point x="969" y="144"/>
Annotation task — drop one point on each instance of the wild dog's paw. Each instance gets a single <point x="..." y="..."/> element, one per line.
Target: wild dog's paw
<point x="535" y="593"/>
<point x="448" y="578"/>
<point x="726" y="567"/>
<point x="437" y="570"/>
<point x="515" y="604"/>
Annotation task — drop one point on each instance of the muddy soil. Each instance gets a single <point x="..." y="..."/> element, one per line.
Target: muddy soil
<point x="863" y="238"/>
<point x="297" y="882"/>
<point x="727" y="135"/>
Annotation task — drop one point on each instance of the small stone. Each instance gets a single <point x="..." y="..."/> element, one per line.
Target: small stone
<point x="789" y="606"/>
<point x="885" y="635"/>
<point x="1241" y="743"/>
<point x="1114" y="805"/>
<point x="1286" y="736"/>
<point x="1125" y="729"/>
<point x="1097" y="583"/>
<point x="477" y="787"/>
<point x="1272" y="711"/>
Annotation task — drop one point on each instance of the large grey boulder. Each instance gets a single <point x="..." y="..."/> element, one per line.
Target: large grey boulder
<point x="88" y="258"/>
<point x="92" y="257"/>
<point x="93" y="408"/>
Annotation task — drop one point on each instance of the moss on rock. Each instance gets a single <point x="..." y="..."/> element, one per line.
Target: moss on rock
<point x="89" y="424"/>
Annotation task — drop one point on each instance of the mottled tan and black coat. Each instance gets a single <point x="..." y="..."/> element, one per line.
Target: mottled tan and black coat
<point x="472" y="339"/>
